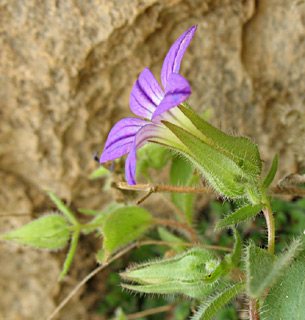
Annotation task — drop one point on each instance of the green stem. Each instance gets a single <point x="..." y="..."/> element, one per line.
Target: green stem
<point x="270" y="224"/>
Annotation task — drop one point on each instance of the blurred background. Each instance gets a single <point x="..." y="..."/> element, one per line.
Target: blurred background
<point x="67" y="68"/>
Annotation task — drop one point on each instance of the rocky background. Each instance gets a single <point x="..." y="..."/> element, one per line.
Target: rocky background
<point x="67" y="68"/>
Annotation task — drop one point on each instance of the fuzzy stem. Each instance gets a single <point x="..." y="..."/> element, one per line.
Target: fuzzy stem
<point x="253" y="309"/>
<point x="270" y="226"/>
<point x="187" y="189"/>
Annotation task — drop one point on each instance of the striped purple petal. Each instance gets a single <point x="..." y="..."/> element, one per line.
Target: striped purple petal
<point x="177" y="91"/>
<point x="121" y="137"/>
<point x="145" y="95"/>
<point x="145" y="133"/>
<point x="175" y="54"/>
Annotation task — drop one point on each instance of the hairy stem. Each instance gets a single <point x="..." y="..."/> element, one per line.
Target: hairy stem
<point x="270" y="226"/>
<point x="253" y="309"/>
<point x="187" y="189"/>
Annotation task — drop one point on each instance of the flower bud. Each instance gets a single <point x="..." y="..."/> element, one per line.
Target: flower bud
<point x="183" y="274"/>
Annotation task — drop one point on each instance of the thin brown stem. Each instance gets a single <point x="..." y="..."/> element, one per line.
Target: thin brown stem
<point x="163" y="188"/>
<point x="150" y="312"/>
<point x="201" y="190"/>
<point x="178" y="225"/>
<point x="188" y="244"/>
<point x="151" y="191"/>
<point x="87" y="278"/>
<point x="253" y="309"/>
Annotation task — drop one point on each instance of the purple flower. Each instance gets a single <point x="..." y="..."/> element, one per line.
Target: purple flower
<point x="149" y="101"/>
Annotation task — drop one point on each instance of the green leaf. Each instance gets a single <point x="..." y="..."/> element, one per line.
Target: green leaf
<point x="286" y="299"/>
<point x="259" y="264"/>
<point x="240" y="215"/>
<point x="214" y="303"/>
<point x="70" y="254"/>
<point x="240" y="149"/>
<point x="221" y="171"/>
<point x="63" y="208"/>
<point x="99" y="173"/>
<point x="165" y="235"/>
<point x="101" y="217"/>
<point x="50" y="232"/>
<point x="181" y="173"/>
<point x="271" y="174"/>
<point x="263" y="269"/>
<point x="125" y="225"/>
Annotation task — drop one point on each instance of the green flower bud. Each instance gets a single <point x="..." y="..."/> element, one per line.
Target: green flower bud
<point x="183" y="274"/>
<point x="50" y="232"/>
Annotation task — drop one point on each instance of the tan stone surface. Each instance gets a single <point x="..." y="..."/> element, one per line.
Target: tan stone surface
<point x="67" y="68"/>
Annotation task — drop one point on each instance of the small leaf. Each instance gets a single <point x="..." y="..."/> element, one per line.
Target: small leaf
<point x="263" y="269"/>
<point x="213" y="304"/>
<point x="101" y="217"/>
<point x="271" y="174"/>
<point x="99" y="173"/>
<point x="286" y="299"/>
<point x="70" y="254"/>
<point x="240" y="215"/>
<point x="50" y="232"/>
<point x="62" y="207"/>
<point x="124" y="225"/>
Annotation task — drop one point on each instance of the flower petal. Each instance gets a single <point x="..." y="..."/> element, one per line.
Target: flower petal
<point x="175" y="54"/>
<point x="145" y="133"/>
<point x="121" y="137"/>
<point x="177" y="91"/>
<point x="145" y="95"/>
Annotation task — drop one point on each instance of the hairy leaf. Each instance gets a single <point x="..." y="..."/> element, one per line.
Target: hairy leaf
<point x="62" y="207"/>
<point x="240" y="215"/>
<point x="124" y="225"/>
<point x="263" y="269"/>
<point x="70" y="254"/>
<point x="50" y="232"/>
<point x="286" y="299"/>
<point x="214" y="303"/>
<point x="271" y="174"/>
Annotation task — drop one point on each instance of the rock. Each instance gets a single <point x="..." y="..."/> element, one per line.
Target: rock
<point x="67" y="68"/>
